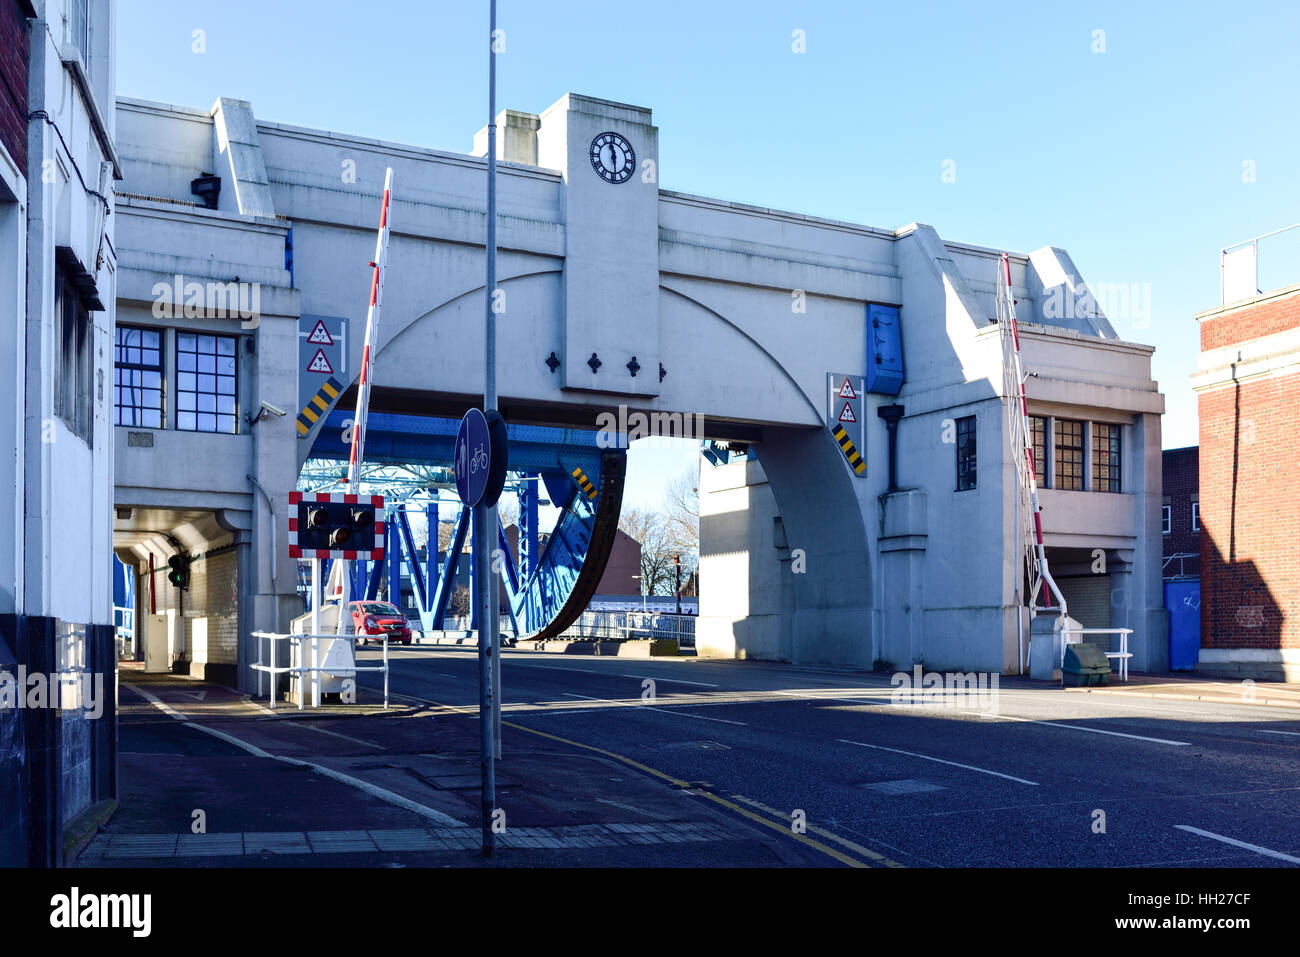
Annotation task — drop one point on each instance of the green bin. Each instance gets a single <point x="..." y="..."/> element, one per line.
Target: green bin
<point x="1085" y="664"/>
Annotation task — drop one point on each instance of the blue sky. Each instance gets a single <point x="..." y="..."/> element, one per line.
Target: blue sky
<point x="1131" y="159"/>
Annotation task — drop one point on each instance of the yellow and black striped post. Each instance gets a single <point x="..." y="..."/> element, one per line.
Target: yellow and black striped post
<point x="318" y="405"/>
<point x="584" y="483"/>
<point x="850" y="450"/>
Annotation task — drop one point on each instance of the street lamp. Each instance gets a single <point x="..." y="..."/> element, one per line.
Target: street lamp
<point x="641" y="588"/>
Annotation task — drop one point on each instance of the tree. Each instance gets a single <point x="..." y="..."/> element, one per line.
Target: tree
<point x="508" y="510"/>
<point x="682" y="512"/>
<point x="649" y="528"/>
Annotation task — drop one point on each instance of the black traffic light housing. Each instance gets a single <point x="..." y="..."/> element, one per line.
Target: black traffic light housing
<point x="336" y="526"/>
<point x="179" y="571"/>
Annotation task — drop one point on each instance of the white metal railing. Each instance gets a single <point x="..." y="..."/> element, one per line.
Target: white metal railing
<point x="1239" y="267"/>
<point x="124" y="628"/>
<point x="1180" y="558"/>
<point x="1123" y="655"/>
<point x="657" y="625"/>
<point x="625" y="625"/>
<point x="262" y="666"/>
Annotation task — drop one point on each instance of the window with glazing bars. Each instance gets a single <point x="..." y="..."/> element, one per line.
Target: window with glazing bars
<point x="1067" y="441"/>
<point x="1038" y="431"/>
<point x="1105" y="457"/>
<point x="137" y="377"/>
<point x="206" y="396"/>
<point x="74" y="364"/>
<point x="966" y="453"/>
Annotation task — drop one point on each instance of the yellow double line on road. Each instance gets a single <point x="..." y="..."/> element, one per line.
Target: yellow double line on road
<point x="781" y="825"/>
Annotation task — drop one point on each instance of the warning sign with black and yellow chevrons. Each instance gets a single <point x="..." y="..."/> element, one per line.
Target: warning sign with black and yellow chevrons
<point x="322" y="367"/>
<point x="845" y="417"/>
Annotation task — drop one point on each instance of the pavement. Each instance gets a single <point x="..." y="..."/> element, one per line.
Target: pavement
<point x="209" y="777"/>
<point x="1273" y="694"/>
<point x="699" y="762"/>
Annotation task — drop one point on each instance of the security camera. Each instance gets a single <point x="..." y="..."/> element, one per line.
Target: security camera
<point x="274" y="410"/>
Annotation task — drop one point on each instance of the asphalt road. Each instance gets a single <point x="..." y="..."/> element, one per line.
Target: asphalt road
<point x="1034" y="777"/>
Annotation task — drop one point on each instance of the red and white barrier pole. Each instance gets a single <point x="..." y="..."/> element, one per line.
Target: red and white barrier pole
<point x="357" y="453"/>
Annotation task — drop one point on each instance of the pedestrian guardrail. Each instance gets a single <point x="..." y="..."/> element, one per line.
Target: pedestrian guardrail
<point x="124" y="629"/>
<point x="631" y="625"/>
<point x="296" y="654"/>
<point x="1123" y="655"/>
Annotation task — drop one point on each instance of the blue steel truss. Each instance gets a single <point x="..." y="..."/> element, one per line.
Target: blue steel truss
<point x="546" y="586"/>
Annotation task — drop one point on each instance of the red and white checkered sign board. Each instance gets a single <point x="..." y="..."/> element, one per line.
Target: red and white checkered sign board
<point x="376" y="504"/>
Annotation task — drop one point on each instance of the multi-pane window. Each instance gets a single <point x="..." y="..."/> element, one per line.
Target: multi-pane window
<point x="1105" y="457"/>
<point x="79" y="27"/>
<point x="206" y="397"/>
<point x="1196" y="516"/>
<point x="966" y="453"/>
<point x="1166" y="519"/>
<point x="1067" y="441"/>
<point x="138" y="377"/>
<point x="74" y="369"/>
<point x="1038" y="431"/>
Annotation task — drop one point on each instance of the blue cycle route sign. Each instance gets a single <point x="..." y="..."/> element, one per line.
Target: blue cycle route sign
<point x="473" y="457"/>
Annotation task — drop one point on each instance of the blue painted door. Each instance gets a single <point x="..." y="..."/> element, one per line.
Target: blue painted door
<point x="1183" y="600"/>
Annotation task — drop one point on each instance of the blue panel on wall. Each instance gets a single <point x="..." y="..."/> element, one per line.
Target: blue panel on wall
<point x="884" y="350"/>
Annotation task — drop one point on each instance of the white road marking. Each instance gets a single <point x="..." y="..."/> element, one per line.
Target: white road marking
<point x="702" y="684"/>
<point x="372" y="789"/>
<point x="1078" y="727"/>
<point x="628" y="704"/>
<point x="828" y="695"/>
<point x="629" y="807"/>
<point x="584" y="671"/>
<point x="1293" y="734"/>
<point x="701" y="717"/>
<point x="926" y="757"/>
<point x="1242" y="844"/>
<point x="345" y="737"/>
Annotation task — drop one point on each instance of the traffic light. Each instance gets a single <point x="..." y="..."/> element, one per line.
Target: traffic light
<point x="336" y="526"/>
<point x="179" y="574"/>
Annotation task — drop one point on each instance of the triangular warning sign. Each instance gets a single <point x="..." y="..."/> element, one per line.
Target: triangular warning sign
<point x="320" y="364"/>
<point x="846" y="414"/>
<point x="846" y="390"/>
<point x="320" y="336"/>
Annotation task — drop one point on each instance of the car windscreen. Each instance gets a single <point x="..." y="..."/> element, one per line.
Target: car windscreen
<point x="378" y="608"/>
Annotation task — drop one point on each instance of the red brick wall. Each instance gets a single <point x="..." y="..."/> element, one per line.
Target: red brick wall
<point x="14" y="56"/>
<point x="1181" y="483"/>
<point x="1250" y="556"/>
<point x="1251" y="321"/>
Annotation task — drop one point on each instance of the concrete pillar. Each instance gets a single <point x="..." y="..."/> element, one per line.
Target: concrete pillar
<point x="246" y="589"/>
<point x="902" y="577"/>
<point x="1143" y="606"/>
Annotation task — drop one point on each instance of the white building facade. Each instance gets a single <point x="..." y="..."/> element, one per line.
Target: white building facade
<point x="621" y="297"/>
<point x="58" y="266"/>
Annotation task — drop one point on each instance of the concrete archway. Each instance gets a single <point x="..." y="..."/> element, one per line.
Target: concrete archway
<point x="807" y="578"/>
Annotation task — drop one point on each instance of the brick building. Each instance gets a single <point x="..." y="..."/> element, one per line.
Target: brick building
<point x="1248" y="385"/>
<point x="1180" y="524"/>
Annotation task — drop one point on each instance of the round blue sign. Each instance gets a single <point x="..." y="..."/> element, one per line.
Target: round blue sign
<point x="473" y="457"/>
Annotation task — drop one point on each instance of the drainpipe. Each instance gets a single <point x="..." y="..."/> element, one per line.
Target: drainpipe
<point x="272" y="513"/>
<point x="891" y="414"/>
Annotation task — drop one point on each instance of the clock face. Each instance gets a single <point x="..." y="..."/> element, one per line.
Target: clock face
<point x="613" y="158"/>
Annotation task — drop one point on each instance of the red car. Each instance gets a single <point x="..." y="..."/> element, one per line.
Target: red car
<point x="379" y="618"/>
